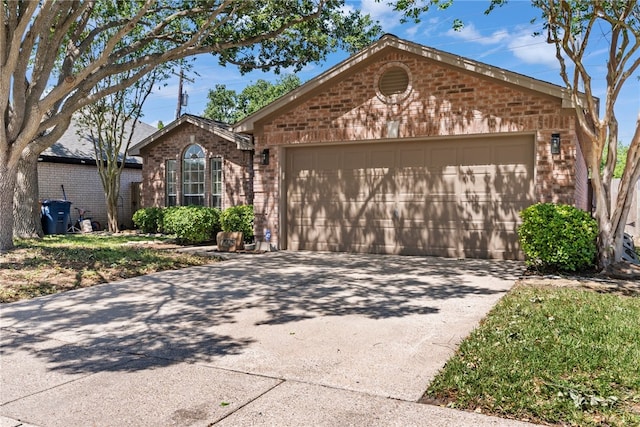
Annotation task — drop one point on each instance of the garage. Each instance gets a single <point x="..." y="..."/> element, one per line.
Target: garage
<point x="406" y="149"/>
<point x="455" y="197"/>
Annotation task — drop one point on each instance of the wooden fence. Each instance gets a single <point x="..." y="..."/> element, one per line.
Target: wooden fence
<point x="633" y="220"/>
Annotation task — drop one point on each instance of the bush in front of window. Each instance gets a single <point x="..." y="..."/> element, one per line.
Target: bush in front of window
<point x="149" y="220"/>
<point x="192" y="224"/>
<point x="238" y="218"/>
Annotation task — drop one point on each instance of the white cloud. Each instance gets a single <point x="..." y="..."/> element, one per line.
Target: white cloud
<point x="471" y="34"/>
<point x="520" y="42"/>
<point x="382" y="12"/>
<point x="532" y="50"/>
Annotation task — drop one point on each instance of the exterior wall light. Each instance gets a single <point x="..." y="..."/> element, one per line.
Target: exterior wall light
<point x="555" y="143"/>
<point x="265" y="156"/>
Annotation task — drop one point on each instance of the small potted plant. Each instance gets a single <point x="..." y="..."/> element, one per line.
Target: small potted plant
<point x="236" y="223"/>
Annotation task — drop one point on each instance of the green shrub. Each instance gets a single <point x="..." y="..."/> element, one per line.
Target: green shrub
<point x="559" y="237"/>
<point x="149" y="220"/>
<point x="192" y="224"/>
<point x="165" y="227"/>
<point x="238" y="218"/>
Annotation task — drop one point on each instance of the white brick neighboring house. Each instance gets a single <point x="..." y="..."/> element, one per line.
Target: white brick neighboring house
<point x="70" y="163"/>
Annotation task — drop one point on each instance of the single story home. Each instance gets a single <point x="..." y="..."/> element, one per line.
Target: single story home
<point x="68" y="170"/>
<point x="196" y="161"/>
<point x="399" y="149"/>
<point x="405" y="149"/>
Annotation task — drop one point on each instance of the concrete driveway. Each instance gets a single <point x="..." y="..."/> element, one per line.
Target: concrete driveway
<point x="284" y="338"/>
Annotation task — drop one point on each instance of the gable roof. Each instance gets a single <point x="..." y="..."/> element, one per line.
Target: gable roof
<point x="76" y="146"/>
<point x="389" y="41"/>
<point x="223" y="130"/>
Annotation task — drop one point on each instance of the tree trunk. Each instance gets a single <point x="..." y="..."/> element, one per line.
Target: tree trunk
<point x="606" y="248"/>
<point x="26" y="206"/>
<point x="7" y="184"/>
<point x="112" y="217"/>
<point x="112" y="193"/>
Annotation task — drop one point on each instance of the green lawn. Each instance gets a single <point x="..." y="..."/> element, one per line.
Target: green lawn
<point x="553" y="355"/>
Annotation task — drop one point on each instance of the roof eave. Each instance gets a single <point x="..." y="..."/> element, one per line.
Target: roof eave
<point x="247" y="124"/>
<point x="241" y="143"/>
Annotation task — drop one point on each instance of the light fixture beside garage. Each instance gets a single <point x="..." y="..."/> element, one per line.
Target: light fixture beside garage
<point x="265" y="156"/>
<point x="555" y="143"/>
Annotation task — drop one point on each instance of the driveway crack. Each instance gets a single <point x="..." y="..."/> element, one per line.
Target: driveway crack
<point x="248" y="402"/>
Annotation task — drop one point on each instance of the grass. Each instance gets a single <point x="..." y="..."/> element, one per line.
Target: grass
<point x="550" y="355"/>
<point x="64" y="262"/>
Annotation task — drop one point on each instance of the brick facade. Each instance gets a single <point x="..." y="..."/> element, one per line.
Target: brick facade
<point x="83" y="189"/>
<point x="236" y="166"/>
<point x="443" y="101"/>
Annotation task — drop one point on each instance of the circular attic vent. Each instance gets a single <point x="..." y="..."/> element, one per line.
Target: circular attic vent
<point x="393" y="82"/>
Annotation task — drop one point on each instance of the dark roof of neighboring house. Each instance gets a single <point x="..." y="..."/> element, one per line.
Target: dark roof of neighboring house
<point x="223" y="130"/>
<point x="76" y="146"/>
<point x="389" y="41"/>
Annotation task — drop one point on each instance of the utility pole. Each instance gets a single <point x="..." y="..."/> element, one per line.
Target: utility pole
<point x="182" y="97"/>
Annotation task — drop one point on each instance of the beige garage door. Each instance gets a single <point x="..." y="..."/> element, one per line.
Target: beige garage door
<point x="456" y="198"/>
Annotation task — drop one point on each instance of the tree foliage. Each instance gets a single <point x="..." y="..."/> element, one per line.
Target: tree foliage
<point x="229" y="106"/>
<point x="621" y="160"/>
<point x="111" y="123"/>
<point x="53" y="55"/>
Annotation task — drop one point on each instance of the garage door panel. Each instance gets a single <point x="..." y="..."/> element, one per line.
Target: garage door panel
<point x="453" y="198"/>
<point x="475" y="155"/>
<point x="411" y="159"/>
<point x="440" y="157"/>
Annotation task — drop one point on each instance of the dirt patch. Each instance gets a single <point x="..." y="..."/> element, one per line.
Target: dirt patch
<point x="35" y="271"/>
<point x="592" y="283"/>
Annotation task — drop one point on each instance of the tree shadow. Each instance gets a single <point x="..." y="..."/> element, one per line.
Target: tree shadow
<point x="196" y="314"/>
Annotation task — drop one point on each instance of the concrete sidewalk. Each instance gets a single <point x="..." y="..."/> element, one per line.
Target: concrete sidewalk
<point x="284" y="338"/>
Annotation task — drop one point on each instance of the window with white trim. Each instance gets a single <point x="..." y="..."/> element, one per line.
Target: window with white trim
<point x="216" y="182"/>
<point x="193" y="176"/>
<point x="171" y="182"/>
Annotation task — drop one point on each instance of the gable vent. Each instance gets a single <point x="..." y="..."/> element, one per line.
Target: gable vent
<point x="394" y="81"/>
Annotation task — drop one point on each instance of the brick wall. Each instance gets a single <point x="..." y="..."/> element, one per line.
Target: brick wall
<point x="442" y="102"/>
<point x="236" y="187"/>
<point x="84" y="190"/>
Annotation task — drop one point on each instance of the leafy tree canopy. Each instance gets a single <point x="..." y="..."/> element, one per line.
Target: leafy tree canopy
<point x="53" y="54"/>
<point x="226" y="105"/>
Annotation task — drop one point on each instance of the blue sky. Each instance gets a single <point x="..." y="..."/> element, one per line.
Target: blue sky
<point x="502" y="38"/>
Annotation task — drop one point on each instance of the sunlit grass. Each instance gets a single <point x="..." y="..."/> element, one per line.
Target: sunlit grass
<point x="553" y="355"/>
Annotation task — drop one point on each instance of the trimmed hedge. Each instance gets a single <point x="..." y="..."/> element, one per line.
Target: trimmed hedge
<point x="149" y="220"/>
<point x="195" y="224"/>
<point x="192" y="224"/>
<point x="558" y="237"/>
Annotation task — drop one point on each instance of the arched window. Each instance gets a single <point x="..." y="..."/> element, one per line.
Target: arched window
<point x="193" y="177"/>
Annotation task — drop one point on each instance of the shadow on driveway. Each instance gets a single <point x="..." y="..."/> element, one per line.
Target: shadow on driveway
<point x="182" y="315"/>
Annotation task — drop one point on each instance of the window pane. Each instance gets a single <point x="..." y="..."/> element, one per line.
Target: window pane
<point x="193" y="176"/>
<point x="171" y="182"/>
<point x="216" y="182"/>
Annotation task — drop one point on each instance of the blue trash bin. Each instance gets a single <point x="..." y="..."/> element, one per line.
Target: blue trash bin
<point x="55" y="216"/>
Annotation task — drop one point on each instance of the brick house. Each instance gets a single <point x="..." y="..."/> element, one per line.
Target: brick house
<point x="71" y="164"/>
<point x="196" y="161"/>
<point x="406" y="149"/>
